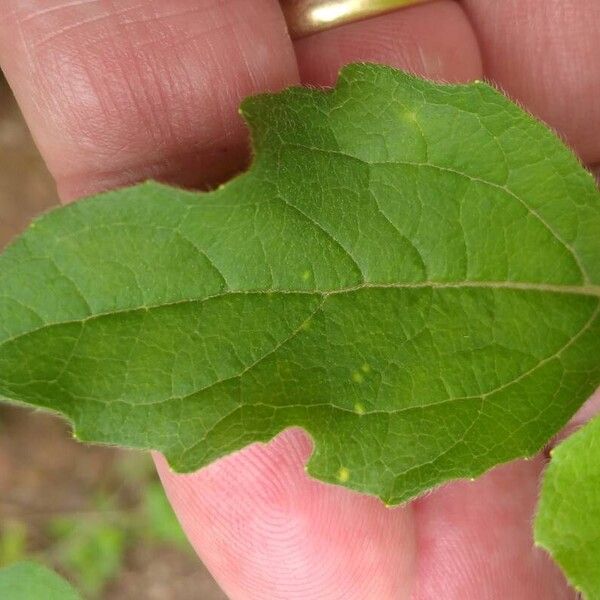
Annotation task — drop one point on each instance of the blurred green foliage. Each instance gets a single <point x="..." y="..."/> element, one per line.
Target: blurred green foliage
<point x="32" y="581"/>
<point x="13" y="542"/>
<point x="90" y="546"/>
<point x="159" y="520"/>
<point x="92" y="550"/>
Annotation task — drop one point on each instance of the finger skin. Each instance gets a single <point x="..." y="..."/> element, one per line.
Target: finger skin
<point x="268" y="531"/>
<point x="120" y="92"/>
<point x="151" y="89"/>
<point x="546" y="55"/>
<point x="475" y="540"/>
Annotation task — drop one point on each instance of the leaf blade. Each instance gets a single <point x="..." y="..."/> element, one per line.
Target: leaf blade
<point x="567" y="522"/>
<point x="402" y="265"/>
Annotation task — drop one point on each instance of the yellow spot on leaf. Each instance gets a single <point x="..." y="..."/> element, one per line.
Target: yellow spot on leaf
<point x="366" y="368"/>
<point x="305" y="275"/>
<point x="359" y="408"/>
<point x="343" y="475"/>
<point x="357" y="377"/>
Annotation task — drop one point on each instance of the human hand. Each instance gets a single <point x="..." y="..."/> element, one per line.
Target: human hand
<point x="118" y="92"/>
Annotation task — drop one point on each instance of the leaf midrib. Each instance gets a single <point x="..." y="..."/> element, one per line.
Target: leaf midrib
<point x="541" y="362"/>
<point x="582" y="290"/>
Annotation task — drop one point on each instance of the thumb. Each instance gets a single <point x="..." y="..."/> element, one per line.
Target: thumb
<point x="266" y="530"/>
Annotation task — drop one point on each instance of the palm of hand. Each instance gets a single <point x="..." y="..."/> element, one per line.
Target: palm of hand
<point x="150" y="90"/>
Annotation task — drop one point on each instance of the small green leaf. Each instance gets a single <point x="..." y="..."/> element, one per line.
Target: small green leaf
<point x="31" y="581"/>
<point x="409" y="271"/>
<point x="568" y="519"/>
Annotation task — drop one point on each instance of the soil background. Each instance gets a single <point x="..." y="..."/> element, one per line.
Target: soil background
<point x="95" y="514"/>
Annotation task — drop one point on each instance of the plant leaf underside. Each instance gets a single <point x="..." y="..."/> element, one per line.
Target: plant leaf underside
<point x="409" y="271"/>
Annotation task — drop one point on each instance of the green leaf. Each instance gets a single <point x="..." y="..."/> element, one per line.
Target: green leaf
<point x="409" y="271"/>
<point x="568" y="519"/>
<point x="31" y="581"/>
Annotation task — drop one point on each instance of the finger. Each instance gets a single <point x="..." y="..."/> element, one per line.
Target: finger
<point x="118" y="92"/>
<point x="434" y="40"/>
<point x="476" y="541"/>
<point x="266" y="530"/>
<point x="545" y="54"/>
<point x="589" y="410"/>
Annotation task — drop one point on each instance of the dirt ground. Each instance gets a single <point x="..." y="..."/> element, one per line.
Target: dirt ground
<point x="65" y="504"/>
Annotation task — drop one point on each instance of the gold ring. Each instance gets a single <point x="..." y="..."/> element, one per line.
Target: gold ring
<point x="305" y="17"/>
